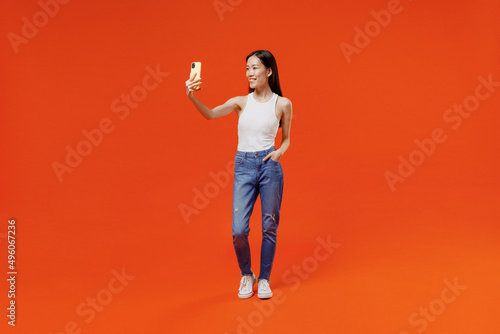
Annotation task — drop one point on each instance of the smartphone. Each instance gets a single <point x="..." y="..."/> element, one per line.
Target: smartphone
<point x="196" y="69"/>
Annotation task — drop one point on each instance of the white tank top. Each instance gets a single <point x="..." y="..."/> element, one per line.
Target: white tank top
<point x="257" y="125"/>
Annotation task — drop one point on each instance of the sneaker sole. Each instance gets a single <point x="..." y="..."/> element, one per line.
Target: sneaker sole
<point x="265" y="295"/>
<point x="246" y="295"/>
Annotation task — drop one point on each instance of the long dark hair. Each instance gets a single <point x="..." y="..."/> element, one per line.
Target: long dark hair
<point x="269" y="61"/>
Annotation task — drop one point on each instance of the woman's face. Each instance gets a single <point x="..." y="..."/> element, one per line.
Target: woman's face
<point x="257" y="73"/>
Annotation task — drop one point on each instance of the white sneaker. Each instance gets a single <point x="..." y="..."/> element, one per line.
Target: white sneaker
<point x="246" y="286"/>
<point x="264" y="290"/>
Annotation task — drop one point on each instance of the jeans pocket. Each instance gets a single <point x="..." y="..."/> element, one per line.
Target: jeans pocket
<point x="238" y="161"/>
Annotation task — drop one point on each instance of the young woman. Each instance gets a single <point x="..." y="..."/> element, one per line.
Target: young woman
<point x="257" y="167"/>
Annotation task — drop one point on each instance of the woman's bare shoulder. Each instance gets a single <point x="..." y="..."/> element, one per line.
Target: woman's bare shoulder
<point x="284" y="103"/>
<point x="239" y="101"/>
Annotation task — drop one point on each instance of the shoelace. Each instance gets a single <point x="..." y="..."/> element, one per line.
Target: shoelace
<point x="263" y="285"/>
<point x="244" y="281"/>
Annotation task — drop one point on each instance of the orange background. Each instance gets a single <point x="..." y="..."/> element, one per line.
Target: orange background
<point x="121" y="207"/>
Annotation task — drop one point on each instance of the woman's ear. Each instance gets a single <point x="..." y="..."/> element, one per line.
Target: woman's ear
<point x="269" y="72"/>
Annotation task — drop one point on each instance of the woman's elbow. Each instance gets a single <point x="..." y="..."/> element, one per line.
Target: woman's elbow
<point x="209" y="116"/>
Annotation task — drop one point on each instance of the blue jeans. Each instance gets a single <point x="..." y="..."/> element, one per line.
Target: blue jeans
<point x="252" y="177"/>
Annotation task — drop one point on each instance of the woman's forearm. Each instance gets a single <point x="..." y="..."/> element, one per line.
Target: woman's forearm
<point x="285" y="144"/>
<point x="204" y="110"/>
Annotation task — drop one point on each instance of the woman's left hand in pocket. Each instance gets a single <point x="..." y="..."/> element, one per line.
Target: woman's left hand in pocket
<point x="274" y="155"/>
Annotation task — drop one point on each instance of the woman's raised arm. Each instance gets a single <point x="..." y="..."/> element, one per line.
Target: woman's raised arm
<point x="231" y="105"/>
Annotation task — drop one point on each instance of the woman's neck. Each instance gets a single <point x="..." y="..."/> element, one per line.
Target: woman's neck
<point x="262" y="93"/>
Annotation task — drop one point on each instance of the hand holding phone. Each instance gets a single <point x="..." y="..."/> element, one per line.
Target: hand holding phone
<point x="195" y="73"/>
